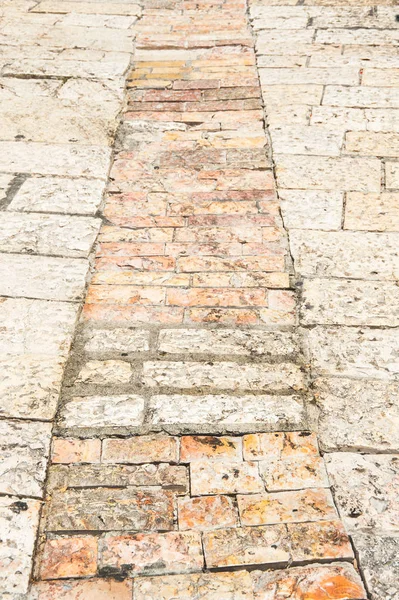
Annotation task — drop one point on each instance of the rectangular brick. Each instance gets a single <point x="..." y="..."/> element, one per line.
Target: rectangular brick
<point x="293" y="473"/>
<point x="372" y="212"/>
<point x="259" y="446"/>
<point x="200" y="447"/>
<point x="219" y="477"/>
<point x="66" y="451"/>
<point x="140" y="449"/>
<point x="323" y="540"/>
<point x="207" y="512"/>
<point x="69" y="557"/>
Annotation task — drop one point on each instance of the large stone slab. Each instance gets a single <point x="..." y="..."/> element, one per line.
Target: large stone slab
<point x="53" y="235"/>
<point x="354" y="352"/>
<point x="225" y="413"/>
<point x="365" y="490"/>
<point x="42" y="277"/>
<point x="24" y="448"/>
<point x="379" y="561"/>
<point x="19" y="518"/>
<point x="356" y="415"/>
<point x="349" y="302"/>
<point x="359" y="255"/>
<point x="311" y="209"/>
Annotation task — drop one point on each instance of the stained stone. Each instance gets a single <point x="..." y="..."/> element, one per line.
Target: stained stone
<point x="365" y="490"/>
<point x="116" y="340"/>
<point x="105" y="372"/>
<point x="103" y="411"/>
<point x="24" y="449"/>
<point x="379" y="561"/>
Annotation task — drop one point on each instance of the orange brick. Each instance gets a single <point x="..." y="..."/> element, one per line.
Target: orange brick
<point x="91" y="589"/>
<point x="197" y="447"/>
<point x="258" y="446"/>
<point x="76" y="451"/>
<point x="140" y="449"/>
<point x="207" y="512"/>
<point x="69" y="557"/>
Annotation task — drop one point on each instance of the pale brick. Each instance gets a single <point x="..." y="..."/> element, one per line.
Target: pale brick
<point x="259" y="446"/>
<point x="293" y="473"/>
<point x="208" y="512"/>
<point x="59" y="195"/>
<point x="75" y="451"/>
<point x="218" y="477"/>
<point x="295" y="139"/>
<point x="349" y="302"/>
<point x="116" y="340"/>
<point x="105" y="372"/>
<point x="220" y="413"/>
<point x="365" y="490"/>
<point x="227" y="342"/>
<point x="343" y="76"/>
<point x="392" y="175"/>
<point x="152" y="553"/>
<point x="367" y="37"/>
<point x="89" y="589"/>
<point x="222" y="375"/>
<point x="358" y="255"/>
<point x="335" y="173"/>
<point x="286" y="94"/>
<point x="247" y="546"/>
<point x="141" y="449"/>
<point x="370" y="143"/>
<point x="312" y="209"/>
<point x="372" y="212"/>
<point x="103" y="411"/>
<point x="354" y="352"/>
<point x="361" y="97"/>
<point x="90" y="8"/>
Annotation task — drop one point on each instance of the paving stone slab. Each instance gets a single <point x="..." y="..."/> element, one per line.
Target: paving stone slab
<point x="120" y="340"/>
<point x="365" y="490"/>
<point x="89" y="589"/>
<point x="19" y="519"/>
<point x="357" y="415"/>
<point x="312" y="209"/>
<point x="24" y="452"/>
<point x="378" y="556"/>
<point x="103" y="411"/>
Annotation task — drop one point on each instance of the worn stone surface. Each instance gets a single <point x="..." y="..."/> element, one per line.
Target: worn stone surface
<point x="380" y="565"/>
<point x="69" y="557"/>
<point x="19" y="518"/>
<point x="151" y="448"/>
<point x="224" y="478"/>
<point x="103" y="411"/>
<point x="90" y="589"/>
<point x="293" y="473"/>
<point x="261" y="446"/>
<point x="365" y="489"/>
<point x="116" y="340"/>
<point x="210" y="512"/>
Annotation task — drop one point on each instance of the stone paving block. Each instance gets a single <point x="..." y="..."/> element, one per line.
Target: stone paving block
<point x="213" y="586"/>
<point x="286" y="507"/>
<point x="69" y="557"/>
<point x="207" y="512"/>
<point x="54" y="159"/>
<point x="365" y="490"/>
<point x="105" y="509"/>
<point x="357" y="415"/>
<point x="103" y="411"/>
<point x="89" y="589"/>
<point x="247" y="546"/>
<point x="297" y="139"/>
<point x="392" y="175"/>
<point x="349" y="302"/>
<point x="332" y="173"/>
<point x="90" y="8"/>
<point x="293" y="473"/>
<point x="47" y="234"/>
<point x="163" y="475"/>
<point x="223" y="375"/>
<point x="105" y="372"/>
<point x="227" y="341"/>
<point x="59" y="195"/>
<point x="353" y="352"/>
<point x="321" y="540"/>
<point x="42" y="277"/>
<point x="361" y="97"/>
<point x="338" y="581"/>
<point x="286" y="94"/>
<point x="24" y="451"/>
<point x="224" y="413"/>
<point x="357" y="255"/>
<point x="378" y="557"/>
<point x="312" y="209"/>
<point x="116" y="340"/>
<point x="200" y="447"/>
<point x="141" y="449"/>
<point x="152" y="553"/>
<point x="260" y="446"/>
<point x="214" y="477"/>
<point x="19" y="519"/>
<point x="372" y="212"/>
<point x="370" y="143"/>
<point x="66" y="451"/>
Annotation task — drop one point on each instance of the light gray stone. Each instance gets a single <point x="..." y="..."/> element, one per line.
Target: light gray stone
<point x="103" y="411"/>
<point x="357" y="36"/>
<point x="372" y="143"/>
<point x="105" y="372"/>
<point x="223" y="375"/>
<point x="54" y="159"/>
<point x="361" y="97"/>
<point x="286" y="95"/>
<point x="349" y="302"/>
<point x="24" y="448"/>
<point x="299" y="472"/>
<point x="228" y="342"/>
<point x="311" y="209"/>
<point x="117" y="340"/>
<point x="57" y="235"/>
<point x="90" y="8"/>
<point x="298" y="139"/>
<point x="223" y="413"/>
<point x="379" y="562"/>
<point x="329" y="173"/>
<point x="359" y="255"/>
<point x="366" y="490"/>
<point x="392" y="175"/>
<point x="59" y="195"/>
<point x="316" y="75"/>
<point x="354" y="352"/>
<point x="19" y="519"/>
<point x="356" y="415"/>
<point x="42" y="277"/>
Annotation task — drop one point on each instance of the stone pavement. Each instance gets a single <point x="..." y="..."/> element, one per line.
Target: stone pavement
<point x="228" y="413"/>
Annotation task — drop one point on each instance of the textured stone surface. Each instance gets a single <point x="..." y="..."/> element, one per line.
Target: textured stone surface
<point x="151" y="448"/>
<point x="103" y="411"/>
<point x="69" y="557"/>
<point x="24" y="451"/>
<point x="75" y="451"/>
<point x="293" y="473"/>
<point x="197" y="447"/>
<point x="90" y="589"/>
<point x="380" y="565"/>
<point x="19" y="518"/>
<point x="312" y="209"/>
<point x="116" y="340"/>
<point x="224" y="478"/>
<point x="365" y="489"/>
<point x="261" y="446"/>
<point x="210" y="512"/>
<point x="103" y="372"/>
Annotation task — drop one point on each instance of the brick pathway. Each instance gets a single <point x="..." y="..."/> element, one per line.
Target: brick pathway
<point x="242" y="297"/>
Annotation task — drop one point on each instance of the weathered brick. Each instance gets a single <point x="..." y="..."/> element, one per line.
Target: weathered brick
<point x="207" y="512"/>
<point x="322" y="540"/>
<point x="105" y="372"/>
<point x="89" y="589"/>
<point x="372" y="212"/>
<point x="201" y="447"/>
<point x="103" y="411"/>
<point x="116" y="340"/>
<point x="141" y="449"/>
<point x="293" y="473"/>
<point x="76" y="451"/>
<point x="259" y="446"/>
<point x="217" y="477"/>
<point x="69" y="557"/>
